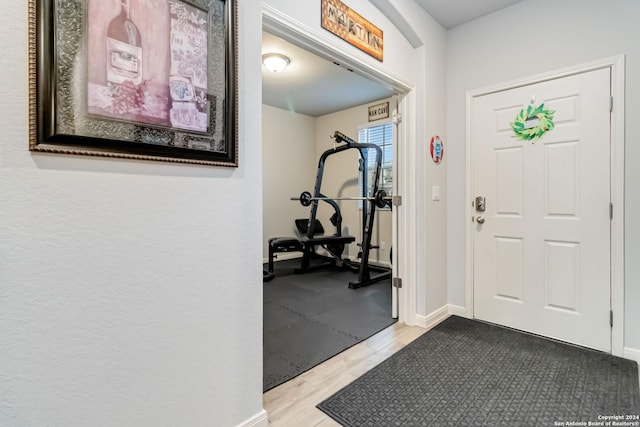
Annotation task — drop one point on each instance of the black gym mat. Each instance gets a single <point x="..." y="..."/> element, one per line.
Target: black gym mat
<point x="309" y="318"/>
<point x="469" y="373"/>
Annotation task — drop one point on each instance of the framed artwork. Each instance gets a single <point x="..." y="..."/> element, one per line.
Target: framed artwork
<point x="137" y="79"/>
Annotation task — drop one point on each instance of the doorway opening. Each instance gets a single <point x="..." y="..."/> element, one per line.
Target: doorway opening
<point x="295" y="135"/>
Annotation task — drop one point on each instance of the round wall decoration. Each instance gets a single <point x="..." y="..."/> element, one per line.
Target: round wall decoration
<point x="436" y="148"/>
<point x="531" y="123"/>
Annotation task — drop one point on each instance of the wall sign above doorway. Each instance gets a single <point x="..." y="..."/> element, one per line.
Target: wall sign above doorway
<point x="350" y="26"/>
<point x="379" y="111"/>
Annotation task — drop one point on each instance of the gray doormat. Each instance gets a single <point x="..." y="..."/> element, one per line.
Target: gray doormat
<point x="469" y="373"/>
<point x="309" y="318"/>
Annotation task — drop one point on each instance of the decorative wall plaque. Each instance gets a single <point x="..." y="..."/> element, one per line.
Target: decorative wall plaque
<point x="350" y="26"/>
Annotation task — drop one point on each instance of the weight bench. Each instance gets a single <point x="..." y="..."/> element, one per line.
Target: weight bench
<point x="333" y="244"/>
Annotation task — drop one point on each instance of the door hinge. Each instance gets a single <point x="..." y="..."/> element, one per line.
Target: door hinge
<point x="397" y="119"/>
<point x="611" y="318"/>
<point x="396" y="200"/>
<point x="610" y="103"/>
<point x="396" y="282"/>
<point x="611" y="211"/>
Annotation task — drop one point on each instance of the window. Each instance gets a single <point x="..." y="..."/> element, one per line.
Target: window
<point x="381" y="135"/>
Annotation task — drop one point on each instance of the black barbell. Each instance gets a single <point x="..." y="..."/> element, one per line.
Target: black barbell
<point x="381" y="199"/>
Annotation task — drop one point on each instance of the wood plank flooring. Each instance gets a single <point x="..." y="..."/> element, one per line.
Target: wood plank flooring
<point x="293" y="404"/>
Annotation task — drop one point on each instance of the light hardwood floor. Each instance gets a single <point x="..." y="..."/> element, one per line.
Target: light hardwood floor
<point x="293" y="404"/>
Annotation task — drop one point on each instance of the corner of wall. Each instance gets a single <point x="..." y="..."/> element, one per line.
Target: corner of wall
<point x="434" y="318"/>
<point x="632" y="354"/>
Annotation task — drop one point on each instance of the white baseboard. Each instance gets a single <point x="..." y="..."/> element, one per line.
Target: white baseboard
<point x="434" y="318"/>
<point x="372" y="262"/>
<point x="632" y="354"/>
<point x="258" y="420"/>
<point x="283" y="256"/>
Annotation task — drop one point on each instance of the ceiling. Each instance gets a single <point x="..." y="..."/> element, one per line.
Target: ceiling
<point x="315" y="86"/>
<point x="451" y="13"/>
<point x="312" y="85"/>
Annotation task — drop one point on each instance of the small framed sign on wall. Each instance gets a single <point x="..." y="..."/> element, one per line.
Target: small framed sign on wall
<point x="379" y="111"/>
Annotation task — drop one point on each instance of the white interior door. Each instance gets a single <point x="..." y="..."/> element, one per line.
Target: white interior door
<point x="541" y="248"/>
<point x="395" y="115"/>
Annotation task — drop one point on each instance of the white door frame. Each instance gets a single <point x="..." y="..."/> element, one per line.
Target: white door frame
<point x="404" y="244"/>
<point x="617" y="65"/>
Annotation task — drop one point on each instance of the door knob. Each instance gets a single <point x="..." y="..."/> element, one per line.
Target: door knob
<point x="480" y="220"/>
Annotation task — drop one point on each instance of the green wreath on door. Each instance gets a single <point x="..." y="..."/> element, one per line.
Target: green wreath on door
<point x="532" y="123"/>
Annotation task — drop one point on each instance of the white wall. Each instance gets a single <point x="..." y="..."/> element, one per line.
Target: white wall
<point x="532" y="37"/>
<point x="432" y="215"/>
<point x="288" y="169"/>
<point x="129" y="290"/>
<point x="429" y="218"/>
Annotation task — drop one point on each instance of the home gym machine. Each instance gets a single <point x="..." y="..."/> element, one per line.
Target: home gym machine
<point x="334" y="244"/>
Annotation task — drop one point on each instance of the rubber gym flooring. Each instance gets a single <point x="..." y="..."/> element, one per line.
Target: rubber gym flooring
<point x="309" y="318"/>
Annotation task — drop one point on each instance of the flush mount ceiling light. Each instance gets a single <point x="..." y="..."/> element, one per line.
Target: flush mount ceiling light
<point x="275" y="62"/>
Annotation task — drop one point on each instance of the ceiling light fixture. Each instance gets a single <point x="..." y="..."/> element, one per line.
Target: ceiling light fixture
<point x="275" y="62"/>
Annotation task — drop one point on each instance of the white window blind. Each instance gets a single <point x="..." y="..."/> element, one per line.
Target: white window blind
<point x="381" y="135"/>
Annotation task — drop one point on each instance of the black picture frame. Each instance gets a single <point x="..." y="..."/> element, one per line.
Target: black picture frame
<point x="63" y="119"/>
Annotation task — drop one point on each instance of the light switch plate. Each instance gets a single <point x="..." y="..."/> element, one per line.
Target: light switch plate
<point x="435" y="193"/>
